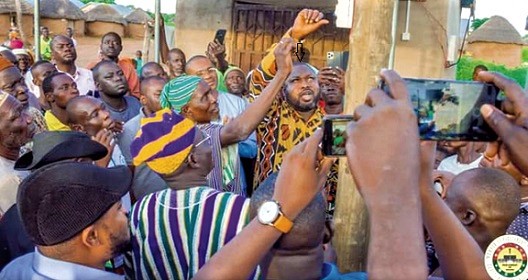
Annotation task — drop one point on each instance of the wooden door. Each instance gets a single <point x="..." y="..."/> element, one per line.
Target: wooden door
<point x="256" y="27"/>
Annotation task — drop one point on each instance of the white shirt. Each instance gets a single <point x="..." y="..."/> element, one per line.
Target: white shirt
<point x="452" y="165"/>
<point x="36" y="266"/>
<point x="230" y="106"/>
<point x="31" y="86"/>
<point x="9" y="181"/>
<point x="84" y="80"/>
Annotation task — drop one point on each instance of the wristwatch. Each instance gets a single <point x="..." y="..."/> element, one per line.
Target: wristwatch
<point x="269" y="213"/>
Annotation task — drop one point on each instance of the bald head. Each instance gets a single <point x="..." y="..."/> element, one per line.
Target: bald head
<point x="308" y="229"/>
<point x="152" y="69"/>
<point x="486" y="200"/>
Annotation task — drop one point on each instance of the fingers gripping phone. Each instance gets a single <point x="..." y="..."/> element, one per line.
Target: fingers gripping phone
<point x="334" y="134"/>
<point x="450" y="110"/>
<point x="220" y="36"/>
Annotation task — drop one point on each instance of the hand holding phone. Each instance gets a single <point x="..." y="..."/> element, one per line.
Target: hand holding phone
<point x="334" y="134"/>
<point x="450" y="110"/>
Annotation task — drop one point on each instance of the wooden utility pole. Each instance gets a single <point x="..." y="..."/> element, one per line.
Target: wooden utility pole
<point x="370" y="43"/>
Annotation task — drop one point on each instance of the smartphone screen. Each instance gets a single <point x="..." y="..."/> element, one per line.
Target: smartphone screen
<point x="220" y="35"/>
<point x="334" y="134"/>
<point x="450" y="110"/>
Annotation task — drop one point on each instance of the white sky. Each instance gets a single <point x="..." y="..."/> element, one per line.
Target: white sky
<point x="514" y="11"/>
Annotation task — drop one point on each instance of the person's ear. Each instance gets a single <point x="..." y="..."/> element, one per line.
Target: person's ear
<point x="142" y="100"/>
<point x="186" y="111"/>
<point x="97" y="85"/>
<point x="49" y="97"/>
<point x="90" y="237"/>
<point x="191" y="159"/>
<point x="77" y="127"/>
<point x="468" y="217"/>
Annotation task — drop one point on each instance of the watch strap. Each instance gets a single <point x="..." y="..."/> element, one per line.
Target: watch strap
<point x="283" y="224"/>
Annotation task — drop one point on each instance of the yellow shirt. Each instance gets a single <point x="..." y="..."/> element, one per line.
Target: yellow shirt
<point x="53" y="123"/>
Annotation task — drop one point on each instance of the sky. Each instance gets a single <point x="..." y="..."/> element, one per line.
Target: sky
<point x="514" y="11"/>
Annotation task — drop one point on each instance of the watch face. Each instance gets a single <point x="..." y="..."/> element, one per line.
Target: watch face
<point x="268" y="212"/>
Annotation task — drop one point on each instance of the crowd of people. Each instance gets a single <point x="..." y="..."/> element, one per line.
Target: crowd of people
<point x="194" y="168"/>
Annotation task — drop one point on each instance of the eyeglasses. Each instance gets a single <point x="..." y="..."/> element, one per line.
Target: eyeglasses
<point x="205" y="138"/>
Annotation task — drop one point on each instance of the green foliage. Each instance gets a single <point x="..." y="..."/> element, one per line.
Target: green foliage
<point x="525" y="54"/>
<point x="476" y="23"/>
<point x="467" y="64"/>
<point x="99" y="1"/>
<point x="167" y="18"/>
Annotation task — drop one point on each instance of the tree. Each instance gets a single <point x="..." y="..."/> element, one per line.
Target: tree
<point x="99" y="1"/>
<point x="18" y="7"/>
<point x="476" y="23"/>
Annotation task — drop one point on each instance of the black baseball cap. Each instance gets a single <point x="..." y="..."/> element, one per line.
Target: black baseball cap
<point x="58" y="201"/>
<point x="53" y="146"/>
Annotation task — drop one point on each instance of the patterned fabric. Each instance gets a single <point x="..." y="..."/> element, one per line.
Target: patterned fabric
<point x="175" y="232"/>
<point x="178" y="92"/>
<point x="519" y="226"/>
<point x="40" y="126"/>
<point x="225" y="174"/>
<point x="163" y="142"/>
<point x="282" y="128"/>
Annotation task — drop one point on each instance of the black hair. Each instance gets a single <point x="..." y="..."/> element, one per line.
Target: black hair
<point x="47" y="84"/>
<point x="95" y="69"/>
<point x="112" y="34"/>
<point x="147" y="80"/>
<point x="38" y="64"/>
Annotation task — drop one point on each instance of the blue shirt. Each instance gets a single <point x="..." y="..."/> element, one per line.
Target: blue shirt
<point x="36" y="266"/>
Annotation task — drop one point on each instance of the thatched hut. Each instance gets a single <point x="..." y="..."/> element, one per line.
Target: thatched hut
<point x="103" y="18"/>
<point x="59" y="14"/>
<point x="136" y="23"/>
<point x="8" y="16"/>
<point x="497" y="41"/>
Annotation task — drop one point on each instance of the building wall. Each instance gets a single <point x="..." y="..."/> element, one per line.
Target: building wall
<point x="79" y="27"/>
<point x="27" y="22"/>
<point x="425" y="54"/>
<point x="197" y="22"/>
<point x="98" y="28"/>
<point x="507" y="54"/>
<point x="58" y="26"/>
<point x="135" y="30"/>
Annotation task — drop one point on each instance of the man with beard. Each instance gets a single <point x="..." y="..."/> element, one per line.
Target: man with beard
<point x="58" y="88"/>
<point x="176" y="62"/>
<point x="77" y="222"/>
<point x="111" y="83"/>
<point x="332" y="84"/>
<point x="16" y="129"/>
<point x="64" y="56"/>
<point x="110" y="49"/>
<point x="235" y="82"/>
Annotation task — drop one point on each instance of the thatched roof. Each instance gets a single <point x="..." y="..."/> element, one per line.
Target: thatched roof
<point x="102" y="12"/>
<point x="497" y="30"/>
<point x="60" y="9"/>
<point x="297" y="3"/>
<point x="8" y="6"/>
<point x="138" y="16"/>
<point x="122" y="10"/>
<point x="78" y="3"/>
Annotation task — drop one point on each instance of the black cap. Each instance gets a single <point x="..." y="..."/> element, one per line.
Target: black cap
<point x="53" y="146"/>
<point x="59" y="200"/>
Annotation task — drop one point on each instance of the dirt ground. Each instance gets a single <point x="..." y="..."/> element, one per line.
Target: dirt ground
<point x="88" y="47"/>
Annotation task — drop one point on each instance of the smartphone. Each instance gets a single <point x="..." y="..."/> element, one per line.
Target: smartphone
<point x="450" y="110"/>
<point x="334" y="134"/>
<point x="220" y="36"/>
<point x="337" y="59"/>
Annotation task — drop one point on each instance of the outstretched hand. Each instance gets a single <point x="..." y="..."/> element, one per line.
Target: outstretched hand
<point x="283" y="55"/>
<point x="511" y="125"/>
<point x="307" y="22"/>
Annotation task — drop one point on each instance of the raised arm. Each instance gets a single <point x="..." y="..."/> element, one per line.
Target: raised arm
<point x="297" y="184"/>
<point x="459" y="254"/>
<point x="383" y="155"/>
<point x="241" y="127"/>
<point x="306" y="22"/>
